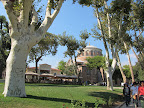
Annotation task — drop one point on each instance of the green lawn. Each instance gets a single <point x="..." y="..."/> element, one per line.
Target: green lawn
<point x="55" y="96"/>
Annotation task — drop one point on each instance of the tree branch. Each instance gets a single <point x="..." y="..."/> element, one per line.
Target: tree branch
<point x="24" y="14"/>
<point x="34" y="19"/>
<point x="102" y="34"/>
<point x="49" y="18"/>
<point x="10" y="12"/>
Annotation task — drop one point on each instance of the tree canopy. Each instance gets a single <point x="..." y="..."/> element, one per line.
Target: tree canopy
<point x="96" y="62"/>
<point x="62" y="66"/>
<point x="5" y="43"/>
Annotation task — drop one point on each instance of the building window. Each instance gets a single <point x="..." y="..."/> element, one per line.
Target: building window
<point x="95" y="53"/>
<point x="82" y="54"/>
<point x="91" y="53"/>
<point x="44" y="71"/>
<point x="87" y="53"/>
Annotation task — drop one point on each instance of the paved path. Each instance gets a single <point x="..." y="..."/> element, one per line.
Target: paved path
<point x="130" y="106"/>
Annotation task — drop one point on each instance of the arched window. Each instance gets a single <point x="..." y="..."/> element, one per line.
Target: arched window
<point x="95" y="53"/>
<point x="92" y="53"/>
<point x="87" y="53"/>
<point x="82" y="54"/>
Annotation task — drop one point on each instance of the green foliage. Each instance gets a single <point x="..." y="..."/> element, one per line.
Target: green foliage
<point x="127" y="71"/>
<point x="69" y="70"/>
<point x="74" y="47"/>
<point x="76" y="104"/>
<point x="117" y="74"/>
<point x="97" y="102"/>
<point x="139" y="73"/>
<point x="47" y="45"/>
<point x="17" y="6"/>
<point x="121" y="6"/>
<point x="110" y="101"/>
<point x="5" y="43"/>
<point x="96" y="62"/>
<point x="61" y="66"/>
<point x="137" y="14"/>
<point x="139" y="43"/>
<point x="72" y="44"/>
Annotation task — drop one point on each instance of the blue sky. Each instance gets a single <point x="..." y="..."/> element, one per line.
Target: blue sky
<point x="73" y="18"/>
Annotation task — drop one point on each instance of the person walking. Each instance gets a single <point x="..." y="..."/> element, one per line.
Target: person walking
<point x="134" y="93"/>
<point x="141" y="94"/>
<point x="126" y="93"/>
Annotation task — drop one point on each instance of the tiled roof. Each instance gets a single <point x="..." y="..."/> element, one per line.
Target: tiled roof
<point x="38" y="68"/>
<point x="32" y="67"/>
<point x="55" y="69"/>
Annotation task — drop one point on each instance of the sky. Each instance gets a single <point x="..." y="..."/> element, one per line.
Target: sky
<point x="72" y="19"/>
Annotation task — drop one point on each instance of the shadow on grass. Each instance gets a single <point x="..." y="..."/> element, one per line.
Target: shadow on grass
<point x="51" y="85"/>
<point x="58" y="100"/>
<point x="110" y="98"/>
<point x="49" y="99"/>
<point x="106" y="95"/>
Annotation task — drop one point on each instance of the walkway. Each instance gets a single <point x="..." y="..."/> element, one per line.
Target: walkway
<point x="130" y="106"/>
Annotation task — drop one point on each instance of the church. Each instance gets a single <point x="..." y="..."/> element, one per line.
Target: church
<point x="86" y="75"/>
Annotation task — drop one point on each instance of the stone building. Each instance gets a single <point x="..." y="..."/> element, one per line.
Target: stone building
<point x="43" y="69"/>
<point x="46" y="74"/>
<point x="86" y="75"/>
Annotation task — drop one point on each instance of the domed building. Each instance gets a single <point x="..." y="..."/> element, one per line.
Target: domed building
<point x="89" y="51"/>
<point x="85" y="74"/>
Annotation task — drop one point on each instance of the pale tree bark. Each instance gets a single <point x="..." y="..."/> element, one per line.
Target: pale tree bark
<point x="129" y="60"/>
<point x="117" y="55"/>
<point x="137" y="58"/>
<point x="23" y="38"/>
<point x="102" y="73"/>
<point x="121" y="69"/>
<point x="109" y="70"/>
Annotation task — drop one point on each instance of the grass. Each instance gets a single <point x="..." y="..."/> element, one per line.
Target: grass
<point x="55" y="96"/>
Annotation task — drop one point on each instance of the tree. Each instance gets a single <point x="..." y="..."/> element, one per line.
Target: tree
<point x="62" y="66"/>
<point x="96" y="62"/>
<point x="127" y="71"/>
<point x="111" y="20"/>
<point x="4" y="43"/>
<point x="117" y="74"/>
<point x="48" y="45"/>
<point x="74" y="47"/>
<point x="137" y="24"/>
<point x="25" y="32"/>
<point x="105" y="27"/>
<point x="69" y="70"/>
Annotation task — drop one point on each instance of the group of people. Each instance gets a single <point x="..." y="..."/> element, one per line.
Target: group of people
<point x="136" y="92"/>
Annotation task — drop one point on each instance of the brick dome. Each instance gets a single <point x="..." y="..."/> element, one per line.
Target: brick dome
<point x="89" y="51"/>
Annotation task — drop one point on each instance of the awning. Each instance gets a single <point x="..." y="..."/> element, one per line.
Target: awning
<point x="58" y="76"/>
<point x="31" y="73"/>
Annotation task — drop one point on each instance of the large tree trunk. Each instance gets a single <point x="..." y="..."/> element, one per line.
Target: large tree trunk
<point x="109" y="79"/>
<point x="129" y="60"/>
<point x="36" y="61"/>
<point x="107" y="71"/>
<point x="23" y="36"/>
<point x="102" y="73"/>
<point x="121" y="70"/>
<point x="15" y="71"/>
<point x="141" y="64"/>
